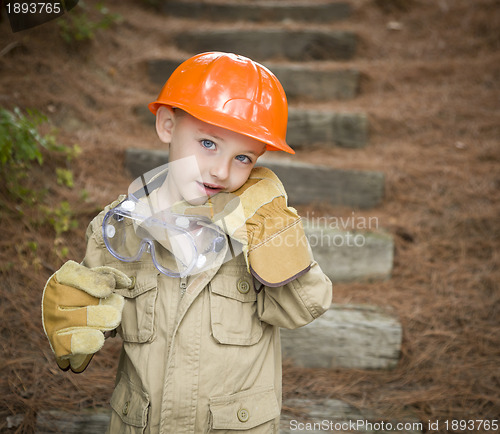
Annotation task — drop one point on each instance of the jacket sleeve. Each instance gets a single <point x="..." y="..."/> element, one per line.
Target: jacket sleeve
<point x="297" y="303"/>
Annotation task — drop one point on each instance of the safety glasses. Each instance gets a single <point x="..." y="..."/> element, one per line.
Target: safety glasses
<point x="179" y="244"/>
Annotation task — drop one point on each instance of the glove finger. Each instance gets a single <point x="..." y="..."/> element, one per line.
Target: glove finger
<point x="79" y="362"/>
<point x="70" y="297"/>
<point x="114" y="300"/>
<point x="103" y="317"/>
<point x="121" y="280"/>
<point x="96" y="284"/>
<point x="77" y="341"/>
<point x="63" y="364"/>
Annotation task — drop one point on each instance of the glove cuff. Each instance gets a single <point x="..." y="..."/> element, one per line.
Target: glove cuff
<point x="281" y="258"/>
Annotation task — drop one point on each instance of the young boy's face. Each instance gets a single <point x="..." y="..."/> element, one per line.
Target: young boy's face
<point x="224" y="158"/>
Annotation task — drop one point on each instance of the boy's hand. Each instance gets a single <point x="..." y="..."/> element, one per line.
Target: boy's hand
<point x="78" y="305"/>
<point x="257" y="216"/>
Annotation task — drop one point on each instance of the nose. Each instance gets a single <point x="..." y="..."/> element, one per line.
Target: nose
<point x="220" y="169"/>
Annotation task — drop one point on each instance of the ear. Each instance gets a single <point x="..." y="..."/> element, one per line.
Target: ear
<point x="165" y="119"/>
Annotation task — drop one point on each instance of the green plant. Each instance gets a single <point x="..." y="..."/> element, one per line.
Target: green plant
<point x="20" y="141"/>
<point x="61" y="218"/>
<point x="22" y="145"/>
<point x="65" y="177"/>
<point x="81" y="23"/>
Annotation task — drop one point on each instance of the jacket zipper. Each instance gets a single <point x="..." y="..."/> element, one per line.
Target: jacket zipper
<point x="183" y="286"/>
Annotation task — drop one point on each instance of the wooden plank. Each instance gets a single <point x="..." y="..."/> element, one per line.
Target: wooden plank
<point x="258" y="12"/>
<point x="85" y="422"/>
<point x="298" y="45"/>
<point x="308" y="127"/>
<point x="333" y="415"/>
<point x="346" y="336"/>
<point x="308" y="183"/>
<point x="350" y="255"/>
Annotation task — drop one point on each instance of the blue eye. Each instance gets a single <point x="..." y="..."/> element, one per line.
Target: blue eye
<point x="243" y="159"/>
<point x="208" y="144"/>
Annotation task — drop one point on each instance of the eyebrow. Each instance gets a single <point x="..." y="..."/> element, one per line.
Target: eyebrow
<point x="255" y="154"/>
<point x="212" y="135"/>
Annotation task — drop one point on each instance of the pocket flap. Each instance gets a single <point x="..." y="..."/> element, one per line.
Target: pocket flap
<point x="130" y="403"/>
<point x="244" y="410"/>
<point x="238" y="287"/>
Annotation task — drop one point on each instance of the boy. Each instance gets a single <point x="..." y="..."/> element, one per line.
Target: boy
<point x="201" y="348"/>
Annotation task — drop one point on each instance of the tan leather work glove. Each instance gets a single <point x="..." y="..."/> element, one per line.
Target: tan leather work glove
<point x="78" y="305"/>
<point x="257" y="216"/>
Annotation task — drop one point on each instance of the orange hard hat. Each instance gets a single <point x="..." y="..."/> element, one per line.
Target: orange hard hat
<point x="232" y="92"/>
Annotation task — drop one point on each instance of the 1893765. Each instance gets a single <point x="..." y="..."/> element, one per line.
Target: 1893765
<point x="34" y="7"/>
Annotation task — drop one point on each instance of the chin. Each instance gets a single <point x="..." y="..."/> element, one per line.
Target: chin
<point x="196" y="201"/>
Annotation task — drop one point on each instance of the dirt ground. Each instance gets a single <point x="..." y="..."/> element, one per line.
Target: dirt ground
<point x="431" y="90"/>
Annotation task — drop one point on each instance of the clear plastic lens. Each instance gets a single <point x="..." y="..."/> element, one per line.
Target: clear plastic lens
<point x="179" y="245"/>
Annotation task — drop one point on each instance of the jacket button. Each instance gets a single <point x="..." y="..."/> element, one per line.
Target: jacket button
<point x="243" y="286"/>
<point x="125" y="408"/>
<point x="132" y="285"/>
<point x="243" y="415"/>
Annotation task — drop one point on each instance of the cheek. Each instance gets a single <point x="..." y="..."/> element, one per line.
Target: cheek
<point x="240" y="177"/>
<point x="182" y="144"/>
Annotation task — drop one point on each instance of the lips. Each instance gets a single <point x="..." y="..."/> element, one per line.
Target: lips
<point x="210" y="189"/>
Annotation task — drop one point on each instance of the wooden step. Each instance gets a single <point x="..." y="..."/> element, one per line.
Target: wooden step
<point x="310" y="12"/>
<point x="315" y="416"/>
<point x="310" y="183"/>
<point x="84" y="422"/>
<point x="305" y="82"/>
<point x="312" y="127"/>
<point x="305" y="183"/>
<point x="307" y="127"/>
<point x="365" y="255"/>
<point x="268" y="43"/>
<point x="346" y="336"/>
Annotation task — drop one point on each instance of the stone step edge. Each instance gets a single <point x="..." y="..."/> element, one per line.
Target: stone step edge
<point x="313" y="416"/>
<point x="346" y="336"/>
<point x="304" y="82"/>
<point x="259" y="12"/>
<point x="351" y="255"/>
<point x="272" y="42"/>
<point x="305" y="183"/>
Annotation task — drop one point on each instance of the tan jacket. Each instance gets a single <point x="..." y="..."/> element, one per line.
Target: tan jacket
<point x="202" y="354"/>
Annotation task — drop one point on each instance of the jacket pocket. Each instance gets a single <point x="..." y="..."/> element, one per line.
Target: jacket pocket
<point x="138" y="315"/>
<point x="131" y="405"/>
<point x="233" y="310"/>
<point x="245" y="410"/>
